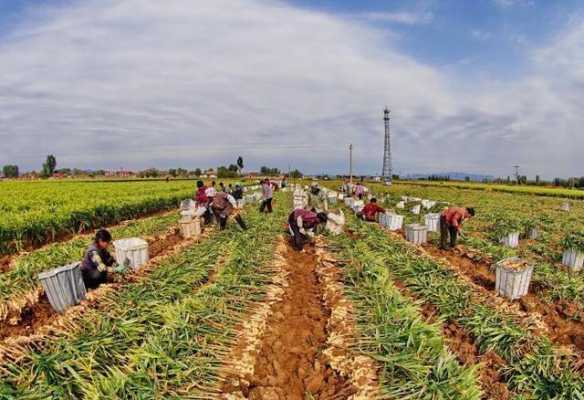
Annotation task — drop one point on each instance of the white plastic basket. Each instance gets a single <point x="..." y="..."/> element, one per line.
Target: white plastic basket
<point x="393" y="222"/>
<point x="428" y="204"/>
<point x="573" y="259"/>
<point x="511" y="240"/>
<point x="132" y="252"/>
<point x="416" y="209"/>
<point x="191" y="228"/>
<point x="64" y="286"/>
<point x="401" y="205"/>
<point x="432" y="222"/>
<point x="510" y="283"/>
<point x="335" y="223"/>
<point x="534" y="234"/>
<point x="416" y="233"/>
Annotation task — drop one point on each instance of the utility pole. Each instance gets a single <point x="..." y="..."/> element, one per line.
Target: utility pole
<point x="351" y="163"/>
<point x="517" y="173"/>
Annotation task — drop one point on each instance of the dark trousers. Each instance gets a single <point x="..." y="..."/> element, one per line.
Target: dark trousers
<point x="298" y="238"/>
<point x="93" y="278"/>
<point x="445" y="232"/>
<point x="267" y="203"/>
<point x="222" y="220"/>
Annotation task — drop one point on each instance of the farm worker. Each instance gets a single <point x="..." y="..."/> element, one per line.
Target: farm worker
<point x="210" y="192"/>
<point x="201" y="195"/>
<point x="222" y="187"/>
<point x="97" y="261"/>
<point x="284" y="183"/>
<point x="451" y="222"/>
<point x="369" y="212"/>
<point x="302" y="224"/>
<point x="203" y="201"/>
<point x="222" y="206"/>
<point x="230" y="189"/>
<point x="267" y="195"/>
<point x="237" y="193"/>
<point x="359" y="190"/>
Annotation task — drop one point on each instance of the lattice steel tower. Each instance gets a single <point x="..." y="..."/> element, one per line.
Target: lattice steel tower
<point x="387" y="171"/>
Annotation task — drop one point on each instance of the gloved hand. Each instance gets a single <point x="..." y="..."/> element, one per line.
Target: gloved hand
<point x="310" y="234"/>
<point x="302" y="230"/>
<point x="120" y="268"/>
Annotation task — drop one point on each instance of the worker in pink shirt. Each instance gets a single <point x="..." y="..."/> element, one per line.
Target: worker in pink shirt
<point x="359" y="190"/>
<point x="451" y="222"/>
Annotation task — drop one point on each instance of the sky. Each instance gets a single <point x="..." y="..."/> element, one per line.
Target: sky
<point x="475" y="86"/>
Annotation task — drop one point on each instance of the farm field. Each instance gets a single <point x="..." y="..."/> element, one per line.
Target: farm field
<point x="361" y="315"/>
<point x="35" y="213"/>
<point x="514" y="189"/>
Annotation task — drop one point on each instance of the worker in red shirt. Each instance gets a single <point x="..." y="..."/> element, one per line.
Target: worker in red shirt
<point x="370" y="210"/>
<point x="302" y="224"/>
<point x="451" y="224"/>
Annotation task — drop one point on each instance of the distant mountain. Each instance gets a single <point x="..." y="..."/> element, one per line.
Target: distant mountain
<point x="455" y="176"/>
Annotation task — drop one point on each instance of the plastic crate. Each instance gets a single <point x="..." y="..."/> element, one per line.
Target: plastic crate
<point x="511" y="283"/>
<point x="573" y="259"/>
<point x="432" y="222"/>
<point x="511" y="240"/>
<point x="191" y="228"/>
<point x="132" y="252"/>
<point x="416" y="233"/>
<point x="393" y="222"/>
<point x="64" y="286"/>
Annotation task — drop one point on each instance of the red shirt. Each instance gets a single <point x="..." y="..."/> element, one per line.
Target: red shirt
<point x="201" y="196"/>
<point x="370" y="210"/>
<point x="454" y="216"/>
<point x="309" y="219"/>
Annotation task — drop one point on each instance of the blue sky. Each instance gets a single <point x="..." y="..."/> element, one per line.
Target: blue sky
<point x="470" y="37"/>
<point x="475" y="86"/>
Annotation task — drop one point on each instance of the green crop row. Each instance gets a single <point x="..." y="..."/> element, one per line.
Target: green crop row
<point x="411" y="352"/>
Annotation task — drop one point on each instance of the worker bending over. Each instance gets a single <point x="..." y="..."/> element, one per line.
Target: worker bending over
<point x="370" y="211"/>
<point x="303" y="224"/>
<point x="222" y="207"/>
<point x="97" y="261"/>
<point x="451" y="222"/>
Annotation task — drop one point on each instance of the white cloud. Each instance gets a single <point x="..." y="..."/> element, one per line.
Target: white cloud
<point x="136" y="83"/>
<point x="400" y="17"/>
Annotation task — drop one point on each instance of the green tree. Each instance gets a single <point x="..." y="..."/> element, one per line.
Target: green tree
<point x="198" y="172"/>
<point x="10" y="171"/>
<point x="269" y="171"/>
<point x="295" y="174"/>
<point x="49" y="166"/>
<point x="227" y="172"/>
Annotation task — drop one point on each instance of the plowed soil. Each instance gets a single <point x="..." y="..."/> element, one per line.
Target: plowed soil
<point x="31" y="318"/>
<point x="290" y="364"/>
<point x="563" y="319"/>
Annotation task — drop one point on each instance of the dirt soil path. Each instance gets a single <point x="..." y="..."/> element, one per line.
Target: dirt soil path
<point x="290" y="364"/>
